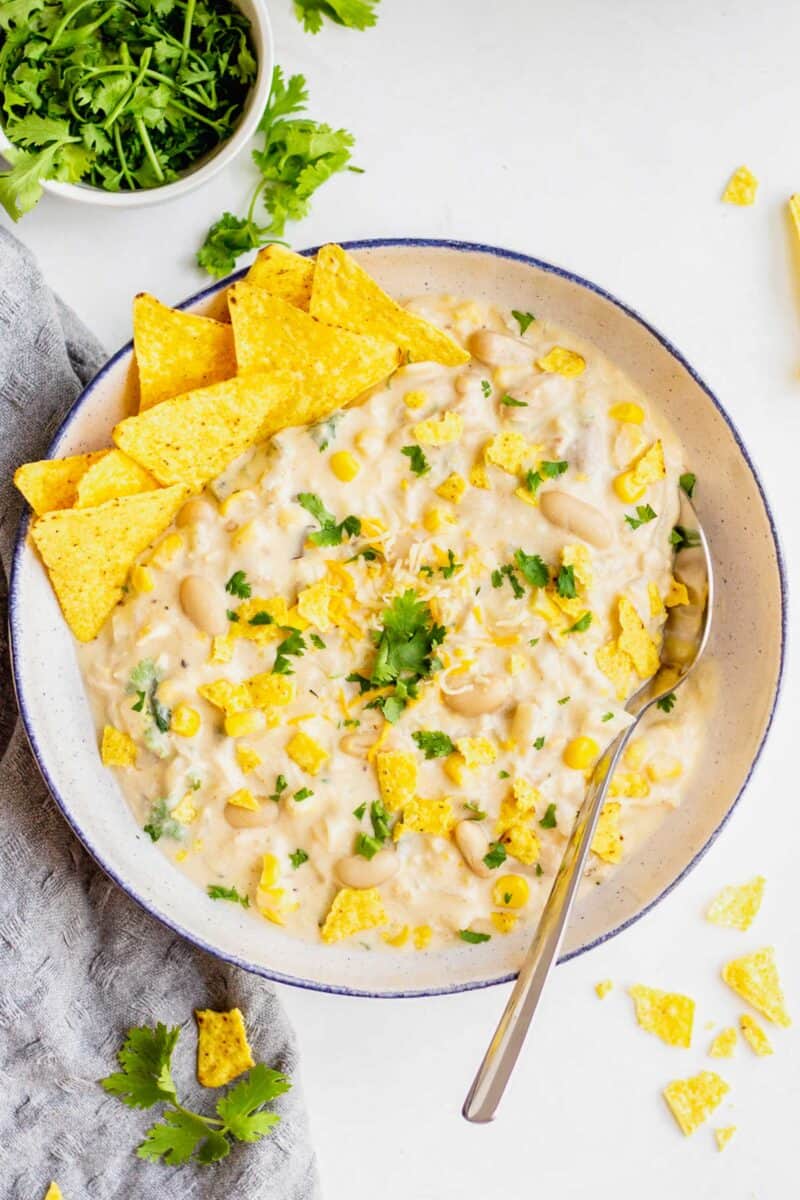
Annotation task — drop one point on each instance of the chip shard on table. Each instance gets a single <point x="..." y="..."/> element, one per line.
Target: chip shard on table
<point x="755" y="1036"/>
<point x="223" y="1052"/>
<point x="737" y="906"/>
<point x="693" y="1100"/>
<point x="724" y="1044"/>
<point x="741" y="188"/>
<point x="755" y="978"/>
<point x="723" y="1135"/>
<point x="669" y="1015"/>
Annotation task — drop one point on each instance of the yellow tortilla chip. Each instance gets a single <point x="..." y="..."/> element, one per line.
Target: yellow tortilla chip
<point x="177" y="352"/>
<point x="724" y="1135"/>
<point x="112" y="476"/>
<point x="343" y="294"/>
<point x="54" y="1192"/>
<point x="560" y="361"/>
<point x="307" y="753"/>
<point x="754" y="1035"/>
<point x="283" y="273"/>
<point x="742" y="187"/>
<point x="616" y="665"/>
<point x="794" y="212"/>
<point x="353" y="911"/>
<point x="222" y="1048"/>
<point x="397" y="777"/>
<point x="635" y="641"/>
<point x="328" y="368"/>
<point x="117" y="748"/>
<point x="668" y="1015"/>
<point x="435" y="817"/>
<point x="88" y="552"/>
<point x="723" y="1044"/>
<point x="52" y="483"/>
<point x="693" y="1100"/>
<point x="755" y="978"/>
<point x="607" y="840"/>
<point x="193" y="438"/>
<point x="737" y="907"/>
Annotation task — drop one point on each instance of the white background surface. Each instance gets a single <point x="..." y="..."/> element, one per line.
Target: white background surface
<point x="599" y="137"/>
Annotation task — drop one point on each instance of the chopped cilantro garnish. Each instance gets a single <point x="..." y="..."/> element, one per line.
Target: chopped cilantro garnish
<point x="405" y="653"/>
<point x="143" y="683"/>
<point x="486" y="387"/>
<point x="237" y="585"/>
<point x="330" y="533"/>
<point x="523" y="319"/>
<point x="533" y="568"/>
<point x="496" y="855"/>
<point x="381" y="820"/>
<point x="434" y="743"/>
<point x="539" y="870"/>
<point x="688" y="482"/>
<point x="217" y="892"/>
<point x="294" y="644"/>
<point x="508" y="572"/>
<point x="280" y="787"/>
<point x="369" y="554"/>
<point x="565" y="583"/>
<point x="469" y="935"/>
<point x="303" y="793"/>
<point x="551" y="470"/>
<point x="510" y="402"/>
<point x="582" y="624"/>
<point x="231" y="615"/>
<point x="533" y="481"/>
<point x="644" y="513"/>
<point x="667" y="703"/>
<point x="325" y="432"/>
<point x="503" y="775"/>
<point x="564" y="700"/>
<point x="548" y="821"/>
<point x="367" y="846"/>
<point x="317" y="641"/>
<point x="358" y="813"/>
<point x="161" y="823"/>
<point x="452" y="566"/>
<point x="475" y="811"/>
<point x="683" y="538"/>
<point x="140" y="699"/>
<point x="507" y="897"/>
<point x="297" y="858"/>
<point x="261" y="618"/>
<point x="416" y="459"/>
<point x="534" y="641"/>
<point x="609" y="716"/>
<point x="539" y="743"/>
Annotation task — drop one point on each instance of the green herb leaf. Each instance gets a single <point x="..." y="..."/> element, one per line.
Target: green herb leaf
<point x="533" y="568"/>
<point x="683" y="538"/>
<point x="240" y="1108"/>
<point x="510" y="402"/>
<point x="496" y="856"/>
<point x="367" y="846"/>
<point x="293" y="645"/>
<point x="523" y="319"/>
<point x="355" y="14"/>
<point x="297" y="858"/>
<point x="644" y="513"/>
<point x="434" y="743"/>
<point x="237" y="585"/>
<point x="329" y="533"/>
<point x="609" y="716"/>
<point x="217" y="892"/>
<point x="317" y="641"/>
<point x="280" y="787"/>
<point x="551" y="470"/>
<point x="161" y="823"/>
<point x="667" y="703"/>
<point x="358" y="813"/>
<point x="548" y="821"/>
<point x="303" y="793"/>
<point x="565" y="583"/>
<point x="181" y="1135"/>
<point x="475" y="811"/>
<point x="582" y="624"/>
<point x="145" y="1058"/>
<point x="469" y="935"/>
<point x="381" y="820"/>
<point x="261" y="618"/>
<point x="486" y="388"/>
<point x="539" y="743"/>
<point x="405" y="653"/>
<point x="687" y="482"/>
<point x="416" y="459"/>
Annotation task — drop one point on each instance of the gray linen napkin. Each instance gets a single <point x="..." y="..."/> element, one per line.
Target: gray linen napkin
<point x="79" y="962"/>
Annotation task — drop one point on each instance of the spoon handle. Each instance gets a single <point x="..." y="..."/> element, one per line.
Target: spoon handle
<point x="494" y="1072"/>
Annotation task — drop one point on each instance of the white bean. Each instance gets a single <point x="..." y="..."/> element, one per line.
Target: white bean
<point x="498" y="349"/>
<point x="245" y="818"/>
<point x="576" y="516"/>
<point x="474" y="846"/>
<point x="482" y="696"/>
<point x="357" y="744"/>
<point x="355" y="871"/>
<point x="202" y="605"/>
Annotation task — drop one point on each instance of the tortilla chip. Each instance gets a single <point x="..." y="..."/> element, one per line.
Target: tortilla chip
<point x="617" y="665"/>
<point x="668" y="1015"/>
<point x="724" y="1044"/>
<point x="737" y="907"/>
<point x="117" y="748"/>
<point x="635" y="641"/>
<point x="352" y="912"/>
<point x="607" y="840"/>
<point x="283" y="273"/>
<point x="52" y="483"/>
<point x="193" y="438"/>
<point x="177" y="352"/>
<point x="88" y="552"/>
<point x="111" y="477"/>
<point x="54" y="1192"/>
<point x="434" y="817"/>
<point x="755" y="978"/>
<point x="328" y="368"/>
<point x="222" y="1048"/>
<point x="724" y="1135"/>
<point x="560" y="361"/>
<point x="397" y="778"/>
<point x="693" y="1100"/>
<point x="742" y="187"/>
<point x="343" y="294"/>
<point x="603" y="988"/>
<point x="754" y="1035"/>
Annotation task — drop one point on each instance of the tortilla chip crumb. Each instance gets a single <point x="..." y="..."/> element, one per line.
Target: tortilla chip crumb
<point x="222" y="1048"/>
<point x="693" y="1100"/>
<point x="724" y="1135"/>
<point x="352" y="912"/>
<point x="668" y="1015"/>
<point x="607" y="841"/>
<point x="742" y="188"/>
<point x="755" y="978"/>
<point x="724" y="1043"/>
<point x="54" y="1192"/>
<point x="117" y="749"/>
<point x="397" y="777"/>
<point x="737" y="907"/>
<point x="603" y="988"/>
<point x="754" y="1035"/>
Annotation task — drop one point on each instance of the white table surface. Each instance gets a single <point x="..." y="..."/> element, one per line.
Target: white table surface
<point x="599" y="137"/>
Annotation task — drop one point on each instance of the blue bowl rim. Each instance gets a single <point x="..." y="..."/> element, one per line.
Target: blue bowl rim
<point x="312" y="985"/>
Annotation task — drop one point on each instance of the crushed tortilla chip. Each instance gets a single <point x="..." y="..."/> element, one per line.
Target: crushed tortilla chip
<point x="562" y="362"/>
<point x="617" y="665"/>
<point x="607" y="840"/>
<point x="88" y="552"/>
<point x="307" y="753"/>
<point x="343" y="294"/>
<point x="724" y="1135"/>
<point x="693" y="1100"/>
<point x="649" y="467"/>
<point x="635" y="641"/>
<point x="314" y="603"/>
<point x="54" y="1192"/>
<point x="434" y="817"/>
<point x="283" y="273"/>
<point x="353" y="911"/>
<point x="602" y="988"/>
<point x="668" y="1015"/>
<point x="509" y="452"/>
<point x="479" y="477"/>
<point x="117" y="749"/>
<point x="724" y="1043"/>
<point x="176" y="351"/>
<point x="452" y="488"/>
<point x="440" y="430"/>
<point x="737" y="907"/>
<point x="223" y="1052"/>
<point x="678" y="594"/>
<point x="754" y="1035"/>
<point x="741" y="188"/>
<point x="522" y="844"/>
<point x="397" y="777"/>
<point x="755" y="978"/>
<point x="112" y="476"/>
<point x="52" y="483"/>
<point x="267" y="690"/>
<point x="246" y="758"/>
<point x="476" y="752"/>
<point x="227" y="696"/>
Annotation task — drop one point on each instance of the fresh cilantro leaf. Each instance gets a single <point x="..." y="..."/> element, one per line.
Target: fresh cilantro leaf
<point x="667" y="703"/>
<point x="551" y="470"/>
<point x="687" y="482"/>
<point x="367" y="846"/>
<point x="469" y="935"/>
<point x="644" y="513"/>
<point x="161" y="823"/>
<point x="534" y="641"/>
<point x="564" y="700"/>
<point x="683" y="538"/>
<point x="356" y="14"/>
<point x="237" y="585"/>
<point x="475" y="811"/>
<point x="317" y="641"/>
<point x="582" y="624"/>
<point x="508" y="572"/>
<point x="280" y="787"/>
<point x="261" y="618"/>
<point x="140" y="699"/>
<point x="539" y="743"/>
<point x="510" y="402"/>
<point x="609" y="716"/>
<point x="240" y="1108"/>
<point x="381" y="820"/>
<point x="503" y="775"/>
<point x="416" y="459"/>
<point x="329" y="533"/>
<point x="486" y="388"/>
<point x="293" y="644"/>
<point x="452" y="566"/>
<point x="496" y="855"/>
<point x="358" y="813"/>
<point x="217" y="892"/>
<point x="302" y="794"/>
<point x="565" y="583"/>
<point x="539" y="869"/>
<point x="507" y="897"/>
<point x="523" y="319"/>
<point x="145" y="1058"/>
<point x="297" y="858"/>
<point x="533" y="569"/>
<point x="548" y="821"/>
<point x="533" y="481"/>
<point x="181" y="1135"/>
<point x="405" y="653"/>
<point x="434" y="743"/>
<point x="325" y="431"/>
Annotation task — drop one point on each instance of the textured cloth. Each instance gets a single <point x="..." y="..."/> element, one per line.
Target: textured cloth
<point x="79" y="962"/>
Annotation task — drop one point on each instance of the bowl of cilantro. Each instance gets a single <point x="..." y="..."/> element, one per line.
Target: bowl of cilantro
<point x="128" y="102"/>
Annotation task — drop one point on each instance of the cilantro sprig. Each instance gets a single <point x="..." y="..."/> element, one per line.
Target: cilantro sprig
<point x="416" y="459"/>
<point x="355" y="14"/>
<point x="330" y="532"/>
<point x="217" y="891"/>
<point x="405" y="654"/>
<point x="433" y="742"/>
<point x="644" y="513"/>
<point x="145" y="1079"/>
<point x="143" y="682"/>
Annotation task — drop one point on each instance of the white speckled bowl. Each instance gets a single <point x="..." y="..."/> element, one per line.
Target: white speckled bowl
<point x="747" y="647"/>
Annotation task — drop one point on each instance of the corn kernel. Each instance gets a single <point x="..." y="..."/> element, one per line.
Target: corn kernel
<point x="433" y="519"/>
<point x="627" y="488"/>
<point x="185" y="721"/>
<point x="242" y="723"/>
<point x="511" y="891"/>
<point x="503" y="922"/>
<point x="663" y="767"/>
<point x="181" y="856"/>
<point x="455" y="768"/>
<point x="344" y="465"/>
<point x="415" y="399"/>
<point x="244" y="798"/>
<point x="580" y="753"/>
<point x="632" y="413"/>
<point x="422" y="936"/>
<point x="142" y="579"/>
<point x="634" y="755"/>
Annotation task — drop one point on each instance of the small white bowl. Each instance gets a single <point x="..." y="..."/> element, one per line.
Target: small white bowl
<point x="205" y="168"/>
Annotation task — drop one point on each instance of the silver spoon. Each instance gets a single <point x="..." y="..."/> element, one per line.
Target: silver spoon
<point x="685" y="638"/>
